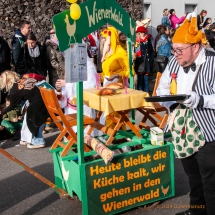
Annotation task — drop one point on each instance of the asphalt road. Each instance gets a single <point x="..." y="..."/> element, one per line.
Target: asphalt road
<point x="22" y="193"/>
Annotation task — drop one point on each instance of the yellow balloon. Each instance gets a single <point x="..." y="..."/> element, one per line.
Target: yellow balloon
<point x="72" y="1"/>
<point x="75" y="11"/>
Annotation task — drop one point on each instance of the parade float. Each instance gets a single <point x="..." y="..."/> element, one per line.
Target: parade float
<point x="89" y="168"/>
<point x="141" y="175"/>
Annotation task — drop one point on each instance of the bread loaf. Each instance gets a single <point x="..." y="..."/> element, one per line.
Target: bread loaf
<point x="101" y="149"/>
<point x="115" y="85"/>
<point x="106" y="91"/>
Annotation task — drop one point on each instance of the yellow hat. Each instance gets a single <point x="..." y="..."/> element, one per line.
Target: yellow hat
<point x="188" y="32"/>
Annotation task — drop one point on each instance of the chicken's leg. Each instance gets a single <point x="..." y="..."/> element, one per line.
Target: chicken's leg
<point x="69" y="40"/>
<point x="74" y="38"/>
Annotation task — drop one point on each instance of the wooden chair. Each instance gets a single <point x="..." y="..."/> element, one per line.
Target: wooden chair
<point x="153" y="115"/>
<point x="63" y="122"/>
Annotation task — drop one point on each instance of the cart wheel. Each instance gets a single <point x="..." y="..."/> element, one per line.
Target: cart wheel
<point x="149" y="206"/>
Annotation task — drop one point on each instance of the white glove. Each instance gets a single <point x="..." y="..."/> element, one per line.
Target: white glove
<point x="192" y="101"/>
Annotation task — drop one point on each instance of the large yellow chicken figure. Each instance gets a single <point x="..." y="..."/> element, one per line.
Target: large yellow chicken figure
<point x="115" y="61"/>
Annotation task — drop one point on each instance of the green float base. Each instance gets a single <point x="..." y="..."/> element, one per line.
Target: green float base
<point x="131" y="179"/>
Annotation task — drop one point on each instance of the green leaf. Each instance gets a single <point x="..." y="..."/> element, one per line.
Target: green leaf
<point x="201" y="137"/>
<point x="180" y="121"/>
<point x="177" y="132"/>
<point x="196" y="143"/>
<point x="190" y="151"/>
<point x="190" y="138"/>
<point x="179" y="148"/>
<point x="183" y="136"/>
<point x="192" y="124"/>
<point x="190" y="114"/>
<point x="183" y="106"/>
<point x="178" y="113"/>
<point x="197" y="130"/>
<point x="185" y="144"/>
<point x="183" y="155"/>
<point x="177" y="139"/>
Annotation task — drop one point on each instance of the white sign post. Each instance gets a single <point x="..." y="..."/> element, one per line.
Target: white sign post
<point x="76" y="63"/>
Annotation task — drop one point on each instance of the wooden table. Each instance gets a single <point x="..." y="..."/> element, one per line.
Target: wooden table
<point x="121" y="103"/>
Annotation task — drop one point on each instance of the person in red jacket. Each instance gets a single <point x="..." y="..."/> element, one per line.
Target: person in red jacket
<point x="94" y="45"/>
<point x="144" y="58"/>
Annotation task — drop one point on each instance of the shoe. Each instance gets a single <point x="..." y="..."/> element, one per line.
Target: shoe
<point x="31" y="146"/>
<point x="188" y="212"/>
<point x="16" y="136"/>
<point x="23" y="143"/>
<point x="2" y="143"/>
<point x="48" y="129"/>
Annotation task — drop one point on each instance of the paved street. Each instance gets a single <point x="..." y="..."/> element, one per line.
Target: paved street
<point x="23" y="194"/>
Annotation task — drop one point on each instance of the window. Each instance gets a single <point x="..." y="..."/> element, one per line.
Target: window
<point x="147" y="11"/>
<point x="191" y="8"/>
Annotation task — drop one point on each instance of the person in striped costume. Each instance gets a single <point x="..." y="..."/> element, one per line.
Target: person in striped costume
<point x="190" y="58"/>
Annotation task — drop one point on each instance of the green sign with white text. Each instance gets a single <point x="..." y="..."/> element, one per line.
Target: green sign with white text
<point x="94" y="14"/>
<point x="138" y="178"/>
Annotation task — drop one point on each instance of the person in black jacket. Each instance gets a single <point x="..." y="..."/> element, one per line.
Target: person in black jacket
<point x="210" y="35"/>
<point x="4" y="62"/>
<point x="144" y="58"/>
<point x="31" y="57"/>
<point x="200" y="19"/>
<point x="36" y="114"/>
<point x="19" y="38"/>
<point x="207" y="23"/>
<point x="4" y="55"/>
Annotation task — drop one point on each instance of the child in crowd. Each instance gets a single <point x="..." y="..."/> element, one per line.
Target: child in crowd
<point x="12" y="120"/>
<point x="144" y="58"/>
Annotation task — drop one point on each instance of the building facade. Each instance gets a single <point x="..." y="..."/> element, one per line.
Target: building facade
<point x="154" y="9"/>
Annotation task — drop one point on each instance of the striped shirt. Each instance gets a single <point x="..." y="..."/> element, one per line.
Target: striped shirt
<point x="204" y="117"/>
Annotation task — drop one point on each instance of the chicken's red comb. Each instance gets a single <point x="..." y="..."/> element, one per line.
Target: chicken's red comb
<point x="174" y="75"/>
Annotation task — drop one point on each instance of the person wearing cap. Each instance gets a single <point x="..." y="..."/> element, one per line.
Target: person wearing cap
<point x="144" y="58"/>
<point x="55" y="59"/>
<point x="200" y="19"/>
<point x="175" y="21"/>
<point x="193" y="69"/>
<point x="93" y="39"/>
